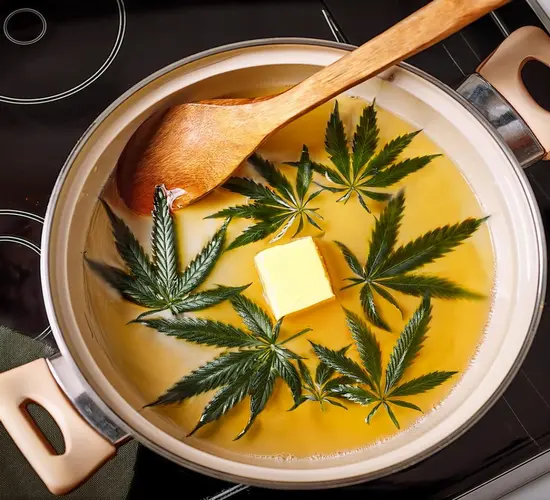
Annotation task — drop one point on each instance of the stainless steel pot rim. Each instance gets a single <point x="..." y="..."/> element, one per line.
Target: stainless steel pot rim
<point x="46" y="283"/>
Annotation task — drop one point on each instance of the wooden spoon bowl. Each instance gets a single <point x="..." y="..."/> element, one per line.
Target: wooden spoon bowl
<point x="169" y="148"/>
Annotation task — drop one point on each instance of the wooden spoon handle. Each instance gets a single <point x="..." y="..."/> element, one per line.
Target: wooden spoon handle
<point x="425" y="27"/>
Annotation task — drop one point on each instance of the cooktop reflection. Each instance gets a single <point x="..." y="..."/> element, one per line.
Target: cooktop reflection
<point x="64" y="62"/>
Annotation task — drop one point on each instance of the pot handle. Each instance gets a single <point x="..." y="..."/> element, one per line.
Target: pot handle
<point x="502" y="69"/>
<point x="85" y="449"/>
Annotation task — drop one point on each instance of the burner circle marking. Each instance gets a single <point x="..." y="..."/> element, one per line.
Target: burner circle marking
<point x="21" y="241"/>
<point x="110" y="58"/>
<point x="25" y="42"/>
<point x="22" y="213"/>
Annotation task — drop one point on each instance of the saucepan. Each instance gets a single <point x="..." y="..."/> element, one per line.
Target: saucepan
<point x="491" y="128"/>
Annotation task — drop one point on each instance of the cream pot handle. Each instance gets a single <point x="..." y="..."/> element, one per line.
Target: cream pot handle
<point x="502" y="69"/>
<point x="85" y="449"/>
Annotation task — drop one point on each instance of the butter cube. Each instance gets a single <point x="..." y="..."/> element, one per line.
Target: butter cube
<point x="293" y="276"/>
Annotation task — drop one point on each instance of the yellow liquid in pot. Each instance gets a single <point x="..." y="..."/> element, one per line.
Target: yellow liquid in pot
<point x="436" y="195"/>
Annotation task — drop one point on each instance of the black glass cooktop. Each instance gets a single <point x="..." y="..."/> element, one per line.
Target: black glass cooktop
<point x="63" y="62"/>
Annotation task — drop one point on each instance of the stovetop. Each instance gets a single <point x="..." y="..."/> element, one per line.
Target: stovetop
<point x="63" y="62"/>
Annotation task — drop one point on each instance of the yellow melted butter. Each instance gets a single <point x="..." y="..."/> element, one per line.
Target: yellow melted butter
<point x="436" y="195"/>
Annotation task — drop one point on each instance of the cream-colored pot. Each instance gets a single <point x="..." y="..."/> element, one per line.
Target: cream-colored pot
<point x="97" y="408"/>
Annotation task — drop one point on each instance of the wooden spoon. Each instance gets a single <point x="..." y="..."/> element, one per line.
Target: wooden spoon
<point x="193" y="148"/>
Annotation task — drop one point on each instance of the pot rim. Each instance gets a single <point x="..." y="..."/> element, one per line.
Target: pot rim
<point x="112" y="415"/>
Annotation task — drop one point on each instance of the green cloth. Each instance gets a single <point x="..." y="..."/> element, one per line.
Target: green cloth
<point x="17" y="479"/>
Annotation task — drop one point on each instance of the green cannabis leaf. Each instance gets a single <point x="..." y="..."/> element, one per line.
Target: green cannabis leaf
<point x="364" y="169"/>
<point x="320" y="388"/>
<point x="366" y="387"/>
<point x="157" y="283"/>
<point x="252" y="370"/>
<point x="389" y="268"/>
<point x="274" y="210"/>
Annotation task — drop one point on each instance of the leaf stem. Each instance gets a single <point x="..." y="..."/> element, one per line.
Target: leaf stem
<point x="292" y="337"/>
<point x="145" y="314"/>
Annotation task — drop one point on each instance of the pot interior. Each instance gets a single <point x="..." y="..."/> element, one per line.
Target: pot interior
<point x="499" y="184"/>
